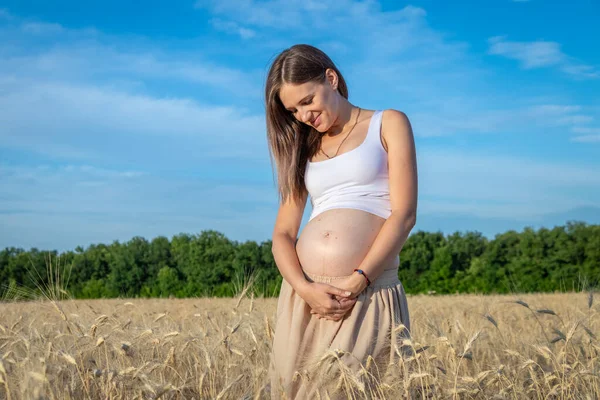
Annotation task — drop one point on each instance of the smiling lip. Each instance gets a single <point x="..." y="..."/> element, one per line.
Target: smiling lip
<point x="317" y="121"/>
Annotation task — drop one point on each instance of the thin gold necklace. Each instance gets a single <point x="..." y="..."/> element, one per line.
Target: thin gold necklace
<point x="348" y="134"/>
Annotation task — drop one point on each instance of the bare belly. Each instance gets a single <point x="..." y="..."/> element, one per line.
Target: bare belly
<point x="336" y="241"/>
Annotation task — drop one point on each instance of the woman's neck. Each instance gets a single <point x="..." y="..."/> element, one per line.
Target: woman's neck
<point x="344" y="120"/>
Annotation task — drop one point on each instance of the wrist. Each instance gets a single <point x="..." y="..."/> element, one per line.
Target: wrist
<point x="360" y="281"/>
<point x="363" y="275"/>
<point x="301" y="286"/>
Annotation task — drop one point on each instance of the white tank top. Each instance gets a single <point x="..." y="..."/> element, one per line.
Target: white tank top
<point x="355" y="179"/>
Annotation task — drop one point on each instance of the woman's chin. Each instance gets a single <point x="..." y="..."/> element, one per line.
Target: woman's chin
<point x="321" y="128"/>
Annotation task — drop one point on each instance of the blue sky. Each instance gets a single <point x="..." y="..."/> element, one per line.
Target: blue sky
<point x="122" y="119"/>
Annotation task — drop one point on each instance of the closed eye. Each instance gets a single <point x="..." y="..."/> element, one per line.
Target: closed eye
<point x="305" y="103"/>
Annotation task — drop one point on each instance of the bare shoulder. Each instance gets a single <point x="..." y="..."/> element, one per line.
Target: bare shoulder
<point x="395" y="127"/>
<point x="366" y="114"/>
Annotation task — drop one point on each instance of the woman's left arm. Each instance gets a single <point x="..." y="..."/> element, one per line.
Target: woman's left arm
<point x="402" y="166"/>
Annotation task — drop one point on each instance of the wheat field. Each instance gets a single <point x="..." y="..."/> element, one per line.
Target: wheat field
<point x="537" y="346"/>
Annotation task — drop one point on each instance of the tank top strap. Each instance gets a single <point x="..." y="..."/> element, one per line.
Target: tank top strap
<point x="374" y="132"/>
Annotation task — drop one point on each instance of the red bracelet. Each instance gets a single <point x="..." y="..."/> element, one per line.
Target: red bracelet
<point x="360" y="271"/>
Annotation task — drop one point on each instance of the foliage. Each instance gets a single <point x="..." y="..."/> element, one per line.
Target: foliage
<point x="564" y="258"/>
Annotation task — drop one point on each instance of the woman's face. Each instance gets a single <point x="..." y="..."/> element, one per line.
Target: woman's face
<point x="312" y="103"/>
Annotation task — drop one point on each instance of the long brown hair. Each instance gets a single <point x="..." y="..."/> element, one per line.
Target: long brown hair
<point x="291" y="142"/>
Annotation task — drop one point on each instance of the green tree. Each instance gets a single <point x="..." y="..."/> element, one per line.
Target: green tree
<point x="168" y="282"/>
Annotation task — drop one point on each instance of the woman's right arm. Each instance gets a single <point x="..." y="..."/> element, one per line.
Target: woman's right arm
<point x="285" y="232"/>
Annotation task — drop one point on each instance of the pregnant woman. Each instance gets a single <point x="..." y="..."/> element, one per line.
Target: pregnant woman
<point x="340" y="286"/>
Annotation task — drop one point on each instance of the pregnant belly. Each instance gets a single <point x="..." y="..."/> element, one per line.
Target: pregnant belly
<point x="336" y="241"/>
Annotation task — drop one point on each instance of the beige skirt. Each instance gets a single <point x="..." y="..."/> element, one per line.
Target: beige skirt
<point x="312" y="354"/>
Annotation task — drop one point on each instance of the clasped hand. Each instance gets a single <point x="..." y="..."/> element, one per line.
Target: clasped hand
<point x="333" y="301"/>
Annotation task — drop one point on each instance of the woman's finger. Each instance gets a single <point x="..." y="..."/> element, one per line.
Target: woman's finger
<point x="335" y="291"/>
<point x="343" y="306"/>
<point x="337" y="313"/>
<point x="336" y="309"/>
<point x="330" y="317"/>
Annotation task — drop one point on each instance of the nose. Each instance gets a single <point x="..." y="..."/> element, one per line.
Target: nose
<point x="305" y="116"/>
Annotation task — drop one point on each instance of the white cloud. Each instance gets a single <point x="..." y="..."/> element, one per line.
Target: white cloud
<point x="587" y="134"/>
<point x="39" y="115"/>
<point x="587" y="139"/>
<point x="85" y="61"/>
<point x="232" y="28"/>
<point x="273" y="14"/>
<point x="531" y="54"/>
<point x="501" y="186"/>
<point x="540" y="54"/>
<point x="365" y="24"/>
<point x="75" y="98"/>
<point x="580" y="70"/>
<point x="42" y="28"/>
<point x="62" y="207"/>
<point x="81" y="188"/>
<point x="582" y="129"/>
<point x="461" y="116"/>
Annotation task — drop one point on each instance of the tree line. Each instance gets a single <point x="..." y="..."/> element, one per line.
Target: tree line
<point x="564" y="258"/>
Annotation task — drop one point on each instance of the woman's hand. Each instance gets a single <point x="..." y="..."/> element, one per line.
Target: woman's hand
<point x="355" y="284"/>
<point x="328" y="301"/>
